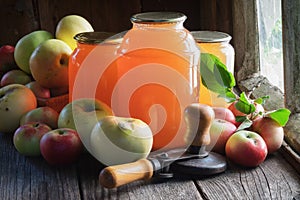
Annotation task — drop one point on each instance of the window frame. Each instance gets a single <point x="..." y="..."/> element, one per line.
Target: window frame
<point x="247" y="63"/>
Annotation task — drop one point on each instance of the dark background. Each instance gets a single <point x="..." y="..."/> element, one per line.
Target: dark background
<point x="19" y="17"/>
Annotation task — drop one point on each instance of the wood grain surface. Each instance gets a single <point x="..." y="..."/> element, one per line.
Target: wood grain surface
<point x="19" y="17"/>
<point x="32" y="178"/>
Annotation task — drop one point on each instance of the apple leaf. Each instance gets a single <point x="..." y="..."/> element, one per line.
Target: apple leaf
<point x="244" y="105"/>
<point x="229" y="96"/>
<point x="214" y="74"/>
<point x="240" y="118"/>
<point x="281" y="116"/>
<point x="261" y="100"/>
<point x="245" y="124"/>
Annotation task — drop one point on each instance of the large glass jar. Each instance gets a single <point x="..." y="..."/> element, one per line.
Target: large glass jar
<point x="159" y="68"/>
<point x="216" y="43"/>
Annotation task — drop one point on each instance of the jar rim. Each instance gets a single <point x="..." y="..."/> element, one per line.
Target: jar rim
<point x="158" y="17"/>
<point x="92" y="37"/>
<point x="210" y="36"/>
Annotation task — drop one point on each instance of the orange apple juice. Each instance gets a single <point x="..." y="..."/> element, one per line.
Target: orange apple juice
<point x="216" y="43"/>
<point x="155" y="86"/>
<point x="86" y="42"/>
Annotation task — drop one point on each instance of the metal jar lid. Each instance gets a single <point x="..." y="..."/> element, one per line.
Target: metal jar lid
<point x="92" y="37"/>
<point x="210" y="36"/>
<point x="158" y="17"/>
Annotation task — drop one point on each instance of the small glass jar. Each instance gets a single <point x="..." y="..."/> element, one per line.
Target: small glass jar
<point x="216" y="43"/>
<point x="86" y="42"/>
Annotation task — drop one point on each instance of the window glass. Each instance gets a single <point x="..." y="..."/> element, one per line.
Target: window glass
<point x="270" y="39"/>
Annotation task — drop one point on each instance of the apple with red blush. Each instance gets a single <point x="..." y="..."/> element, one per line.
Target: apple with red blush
<point x="44" y="114"/>
<point x="225" y="114"/>
<point x="270" y="131"/>
<point x="27" y="138"/>
<point x="38" y="90"/>
<point x="61" y="146"/>
<point x="246" y="148"/>
<point x="7" y="61"/>
<point x="220" y="131"/>
<point x="15" y="76"/>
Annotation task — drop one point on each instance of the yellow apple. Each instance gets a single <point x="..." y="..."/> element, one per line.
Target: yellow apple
<point x="15" y="101"/>
<point x="71" y="25"/>
<point x="82" y="115"/>
<point x="120" y="140"/>
<point x="49" y="64"/>
<point x="26" y="45"/>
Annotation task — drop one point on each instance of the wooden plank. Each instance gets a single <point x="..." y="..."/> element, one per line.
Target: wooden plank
<point x="111" y="16"/>
<point x="89" y="169"/>
<point x="291" y="54"/>
<point x="201" y="15"/>
<point x="273" y="179"/>
<point x="32" y="178"/>
<point x="245" y="38"/>
<point x="291" y="60"/>
<point x="17" y="18"/>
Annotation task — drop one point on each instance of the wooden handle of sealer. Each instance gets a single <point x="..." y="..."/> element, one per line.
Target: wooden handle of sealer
<point x="199" y="118"/>
<point x="115" y="176"/>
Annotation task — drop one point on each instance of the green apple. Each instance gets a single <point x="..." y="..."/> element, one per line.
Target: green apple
<point x="45" y="114"/>
<point x="26" y="45"/>
<point x="49" y="63"/>
<point x="71" y="25"/>
<point x="119" y="140"/>
<point x="15" y="101"/>
<point x="27" y="138"/>
<point x="82" y="115"/>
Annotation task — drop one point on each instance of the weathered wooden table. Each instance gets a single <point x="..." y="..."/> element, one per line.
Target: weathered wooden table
<point x="32" y="178"/>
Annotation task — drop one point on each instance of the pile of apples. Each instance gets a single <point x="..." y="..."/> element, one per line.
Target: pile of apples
<point x="37" y="67"/>
<point x="247" y="146"/>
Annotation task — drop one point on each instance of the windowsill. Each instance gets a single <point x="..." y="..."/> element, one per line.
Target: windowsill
<point x="260" y="86"/>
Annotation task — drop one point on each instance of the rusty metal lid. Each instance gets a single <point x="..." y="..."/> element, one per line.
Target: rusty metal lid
<point x="158" y="17"/>
<point x="92" y="37"/>
<point x="210" y="36"/>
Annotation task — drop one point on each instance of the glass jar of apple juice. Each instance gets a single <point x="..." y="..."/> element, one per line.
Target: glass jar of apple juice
<point x="216" y="43"/>
<point x="158" y="76"/>
<point x="86" y="42"/>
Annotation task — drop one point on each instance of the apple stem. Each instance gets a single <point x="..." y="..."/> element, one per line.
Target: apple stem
<point x="60" y="132"/>
<point x="36" y="125"/>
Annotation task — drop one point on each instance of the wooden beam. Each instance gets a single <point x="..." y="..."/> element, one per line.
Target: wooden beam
<point x="245" y="38"/>
<point x="291" y="60"/>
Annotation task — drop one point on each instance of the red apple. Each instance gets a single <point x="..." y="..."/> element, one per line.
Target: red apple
<point x="59" y="91"/>
<point x="270" y="131"/>
<point x="234" y="110"/>
<point x="7" y="61"/>
<point x="45" y="114"/>
<point x="15" y="76"/>
<point x="224" y="113"/>
<point x="38" y="90"/>
<point x="220" y="131"/>
<point x="246" y="148"/>
<point x="61" y="146"/>
<point x="27" y="138"/>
